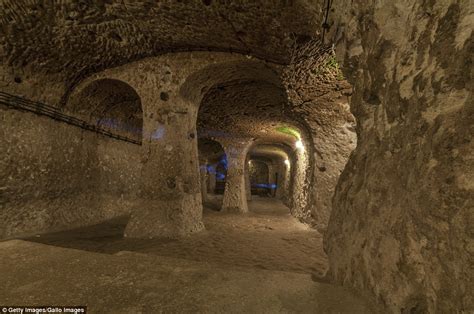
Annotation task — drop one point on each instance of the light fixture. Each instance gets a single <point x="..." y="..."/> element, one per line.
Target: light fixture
<point x="287" y="162"/>
<point x="299" y="144"/>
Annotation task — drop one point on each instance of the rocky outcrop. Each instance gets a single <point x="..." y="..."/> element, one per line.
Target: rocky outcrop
<point x="402" y="216"/>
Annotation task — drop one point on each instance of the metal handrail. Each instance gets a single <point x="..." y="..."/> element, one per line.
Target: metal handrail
<point x="39" y="108"/>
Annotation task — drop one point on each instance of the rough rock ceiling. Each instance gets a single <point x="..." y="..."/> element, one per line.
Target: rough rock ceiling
<point x="273" y="151"/>
<point x="248" y="109"/>
<point x="80" y="37"/>
<point x="260" y="159"/>
<point x="209" y="149"/>
<point x="105" y="96"/>
<point x="112" y="105"/>
<point x="76" y="38"/>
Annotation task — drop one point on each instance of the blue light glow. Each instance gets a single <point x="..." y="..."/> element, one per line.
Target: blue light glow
<point x="264" y="186"/>
<point x="223" y="161"/>
<point x="158" y="133"/>
<point x="211" y="169"/>
<point x="118" y="125"/>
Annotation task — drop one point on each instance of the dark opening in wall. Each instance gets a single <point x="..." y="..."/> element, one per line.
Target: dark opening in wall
<point x="112" y="105"/>
<point x="214" y="162"/>
<point x="115" y="36"/>
<point x="259" y="177"/>
<point x="164" y="96"/>
<point x="221" y="174"/>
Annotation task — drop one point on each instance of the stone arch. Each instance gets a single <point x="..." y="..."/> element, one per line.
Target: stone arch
<point x="200" y="82"/>
<point x="221" y="174"/>
<point x="213" y="169"/>
<point x="259" y="173"/>
<point x="110" y="104"/>
<point x="258" y="87"/>
<point x="280" y="157"/>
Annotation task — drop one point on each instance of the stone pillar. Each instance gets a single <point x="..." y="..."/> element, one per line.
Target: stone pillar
<point x="248" y="185"/>
<point x="281" y="166"/>
<point x="235" y="194"/>
<point x="211" y="179"/>
<point x="170" y="196"/>
<point x="203" y="176"/>
<point x="284" y="186"/>
<point x="298" y="187"/>
<point x="271" y="178"/>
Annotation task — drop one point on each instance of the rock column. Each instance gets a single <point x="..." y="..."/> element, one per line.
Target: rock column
<point x="211" y="179"/>
<point x="203" y="176"/>
<point x="170" y="195"/>
<point x="272" y="178"/>
<point x="235" y="195"/>
<point x="248" y="185"/>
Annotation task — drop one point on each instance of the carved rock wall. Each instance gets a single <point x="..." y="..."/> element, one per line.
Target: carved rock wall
<point x="402" y="216"/>
<point x="56" y="176"/>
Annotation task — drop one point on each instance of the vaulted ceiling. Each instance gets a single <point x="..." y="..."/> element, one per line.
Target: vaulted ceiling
<point x="77" y="37"/>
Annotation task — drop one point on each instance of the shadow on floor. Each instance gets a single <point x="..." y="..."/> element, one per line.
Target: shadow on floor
<point x="106" y="237"/>
<point x="267" y="237"/>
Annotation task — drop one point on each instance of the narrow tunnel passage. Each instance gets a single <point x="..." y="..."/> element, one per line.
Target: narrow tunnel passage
<point x="236" y="156"/>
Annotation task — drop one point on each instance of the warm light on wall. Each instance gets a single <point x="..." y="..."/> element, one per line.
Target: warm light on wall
<point x="287" y="162"/>
<point x="299" y="144"/>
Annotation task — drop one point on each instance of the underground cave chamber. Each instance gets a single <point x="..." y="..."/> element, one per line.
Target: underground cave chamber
<point x="282" y="156"/>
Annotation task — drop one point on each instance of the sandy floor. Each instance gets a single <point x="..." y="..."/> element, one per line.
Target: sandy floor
<point x="266" y="238"/>
<point x="261" y="262"/>
<point x="129" y="282"/>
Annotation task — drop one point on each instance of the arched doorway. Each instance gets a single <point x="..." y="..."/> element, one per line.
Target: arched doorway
<point x="259" y="177"/>
<point x="112" y="105"/>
